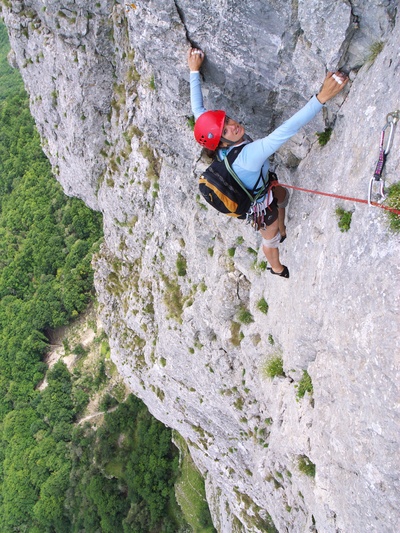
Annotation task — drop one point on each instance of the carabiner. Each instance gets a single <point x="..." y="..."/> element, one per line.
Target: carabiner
<point x="391" y="119"/>
<point x="388" y="144"/>
<point x="381" y="190"/>
<point x="395" y="116"/>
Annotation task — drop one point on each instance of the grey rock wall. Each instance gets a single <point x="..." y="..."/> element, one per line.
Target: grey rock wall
<point x="109" y="90"/>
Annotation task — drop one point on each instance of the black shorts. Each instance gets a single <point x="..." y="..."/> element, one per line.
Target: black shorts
<point x="271" y="213"/>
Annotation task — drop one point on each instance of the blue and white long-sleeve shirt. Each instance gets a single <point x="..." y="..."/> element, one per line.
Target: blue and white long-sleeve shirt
<point x="254" y="156"/>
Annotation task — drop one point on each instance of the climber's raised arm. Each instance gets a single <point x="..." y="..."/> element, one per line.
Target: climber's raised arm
<point x="195" y="60"/>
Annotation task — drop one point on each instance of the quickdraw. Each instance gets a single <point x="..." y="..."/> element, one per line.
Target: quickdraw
<point x="391" y="120"/>
<point x="255" y="215"/>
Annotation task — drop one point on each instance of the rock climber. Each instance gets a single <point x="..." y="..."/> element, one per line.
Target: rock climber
<point x="218" y="134"/>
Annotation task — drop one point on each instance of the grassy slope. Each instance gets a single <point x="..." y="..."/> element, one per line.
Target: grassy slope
<point x="190" y="492"/>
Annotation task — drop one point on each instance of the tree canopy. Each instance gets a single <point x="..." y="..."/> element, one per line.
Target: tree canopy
<point x="57" y="476"/>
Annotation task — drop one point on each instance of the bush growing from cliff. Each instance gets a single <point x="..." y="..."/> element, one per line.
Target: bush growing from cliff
<point x="374" y="50"/>
<point x="324" y="136"/>
<point x="262" y="306"/>
<point x="244" y="316"/>
<point x="394" y="201"/>
<point x="261" y="266"/>
<point x="273" y="367"/>
<point x="306" y="466"/>
<point x="344" y="219"/>
<point x="304" y="385"/>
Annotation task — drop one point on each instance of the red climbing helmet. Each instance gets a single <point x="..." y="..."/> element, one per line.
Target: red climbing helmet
<point x="208" y="129"/>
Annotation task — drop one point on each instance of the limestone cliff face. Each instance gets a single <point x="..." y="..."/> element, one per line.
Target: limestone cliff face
<point x="109" y="91"/>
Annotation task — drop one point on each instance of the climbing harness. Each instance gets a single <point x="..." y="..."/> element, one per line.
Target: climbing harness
<point x="391" y="120"/>
<point x="260" y="210"/>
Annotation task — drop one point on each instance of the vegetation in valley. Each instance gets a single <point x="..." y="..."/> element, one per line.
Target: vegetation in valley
<point x="57" y="475"/>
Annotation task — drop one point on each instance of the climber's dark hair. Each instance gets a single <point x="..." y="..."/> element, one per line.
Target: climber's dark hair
<point x="211" y="154"/>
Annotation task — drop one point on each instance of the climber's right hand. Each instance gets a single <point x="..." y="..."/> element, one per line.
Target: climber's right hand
<point x="333" y="84"/>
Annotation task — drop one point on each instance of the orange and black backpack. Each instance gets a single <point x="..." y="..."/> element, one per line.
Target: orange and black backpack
<point x="222" y="189"/>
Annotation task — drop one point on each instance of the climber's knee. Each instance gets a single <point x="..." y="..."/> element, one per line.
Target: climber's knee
<point x="285" y="201"/>
<point x="272" y="243"/>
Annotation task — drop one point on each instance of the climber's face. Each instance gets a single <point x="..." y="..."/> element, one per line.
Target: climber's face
<point x="232" y="130"/>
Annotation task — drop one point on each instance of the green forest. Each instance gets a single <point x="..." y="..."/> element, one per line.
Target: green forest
<point x="55" y="475"/>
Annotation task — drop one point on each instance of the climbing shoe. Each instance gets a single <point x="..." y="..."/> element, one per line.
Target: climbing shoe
<point x="283" y="238"/>
<point x="283" y="274"/>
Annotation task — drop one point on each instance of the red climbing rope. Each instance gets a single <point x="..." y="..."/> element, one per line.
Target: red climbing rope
<point x="331" y="195"/>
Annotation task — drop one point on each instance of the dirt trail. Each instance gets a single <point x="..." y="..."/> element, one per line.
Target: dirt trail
<point x="94" y="415"/>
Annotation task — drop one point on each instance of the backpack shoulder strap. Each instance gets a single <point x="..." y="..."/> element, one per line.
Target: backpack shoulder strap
<point x="228" y="161"/>
<point x="236" y="177"/>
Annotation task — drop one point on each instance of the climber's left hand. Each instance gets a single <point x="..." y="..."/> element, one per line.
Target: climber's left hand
<point x="195" y="59"/>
